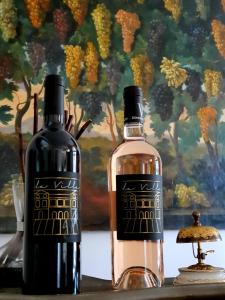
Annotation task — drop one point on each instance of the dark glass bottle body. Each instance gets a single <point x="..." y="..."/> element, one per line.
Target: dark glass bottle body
<point x="51" y="261"/>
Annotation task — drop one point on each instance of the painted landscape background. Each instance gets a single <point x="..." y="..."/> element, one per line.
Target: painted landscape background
<point x="173" y="49"/>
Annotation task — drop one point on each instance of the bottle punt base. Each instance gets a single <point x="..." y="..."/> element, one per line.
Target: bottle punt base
<point x="137" y="278"/>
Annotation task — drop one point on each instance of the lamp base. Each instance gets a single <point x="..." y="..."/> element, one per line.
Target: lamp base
<point x="193" y="276"/>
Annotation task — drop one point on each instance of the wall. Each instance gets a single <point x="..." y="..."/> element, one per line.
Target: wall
<point x="96" y="262"/>
<point x="96" y="253"/>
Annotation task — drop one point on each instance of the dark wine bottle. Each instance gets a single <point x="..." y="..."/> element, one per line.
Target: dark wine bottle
<point x="52" y="203"/>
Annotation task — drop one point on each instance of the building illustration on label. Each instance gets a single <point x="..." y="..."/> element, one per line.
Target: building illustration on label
<point x="55" y="211"/>
<point x="141" y="210"/>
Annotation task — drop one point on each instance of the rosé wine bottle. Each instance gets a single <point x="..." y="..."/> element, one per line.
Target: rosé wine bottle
<point x="136" y="208"/>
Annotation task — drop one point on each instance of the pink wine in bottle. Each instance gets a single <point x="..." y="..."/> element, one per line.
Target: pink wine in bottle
<point x="136" y="208"/>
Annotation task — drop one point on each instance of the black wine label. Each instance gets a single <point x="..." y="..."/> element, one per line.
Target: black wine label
<point x="56" y="206"/>
<point x="139" y="207"/>
<point x="133" y="113"/>
<point x="133" y="108"/>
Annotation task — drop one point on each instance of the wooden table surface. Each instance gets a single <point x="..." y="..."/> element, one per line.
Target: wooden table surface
<point x="98" y="289"/>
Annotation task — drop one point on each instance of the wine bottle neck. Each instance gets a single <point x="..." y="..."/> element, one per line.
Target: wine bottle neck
<point x="133" y="113"/>
<point x="134" y="131"/>
<point x="54" y="120"/>
<point x="53" y="101"/>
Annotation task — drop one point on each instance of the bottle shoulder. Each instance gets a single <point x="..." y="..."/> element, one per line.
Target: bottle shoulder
<point x="51" y="138"/>
<point x="133" y="157"/>
<point x="135" y="147"/>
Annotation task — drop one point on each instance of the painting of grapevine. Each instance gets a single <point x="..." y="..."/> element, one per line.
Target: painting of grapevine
<point x="173" y="49"/>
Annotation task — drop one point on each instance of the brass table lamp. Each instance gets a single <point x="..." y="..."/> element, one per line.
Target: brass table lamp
<point x="199" y="272"/>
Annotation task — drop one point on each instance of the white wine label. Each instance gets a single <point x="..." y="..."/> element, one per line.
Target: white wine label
<point x="56" y="206"/>
<point x="139" y="207"/>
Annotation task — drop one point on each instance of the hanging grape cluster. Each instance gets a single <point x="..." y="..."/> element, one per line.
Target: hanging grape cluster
<point x="61" y="23"/>
<point x="197" y="33"/>
<point x="102" y="21"/>
<point x="218" y="33"/>
<point x="156" y="38"/>
<point x="91" y="103"/>
<point x="78" y="9"/>
<point x="113" y="73"/>
<point x="8" y="19"/>
<point x="143" y="71"/>
<point x="207" y="116"/>
<point x="193" y="84"/>
<point x="174" y="7"/>
<point x="36" y="10"/>
<point x="163" y="97"/>
<point x="74" y="63"/>
<point x="212" y="82"/>
<point x="188" y="195"/>
<point x="36" y="53"/>
<point x="91" y="60"/>
<point x="129" y="24"/>
<point x="174" y="74"/>
<point x="53" y="53"/>
<point x="5" y="67"/>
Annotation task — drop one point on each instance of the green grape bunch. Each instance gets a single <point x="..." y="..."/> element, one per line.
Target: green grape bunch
<point x="102" y="21"/>
<point x="8" y="19"/>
